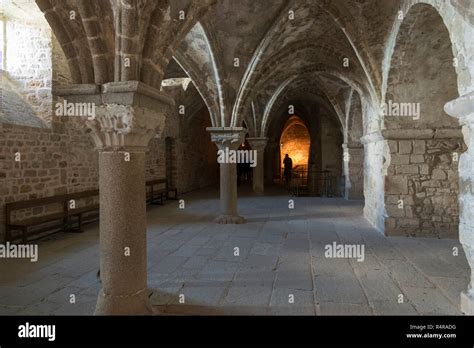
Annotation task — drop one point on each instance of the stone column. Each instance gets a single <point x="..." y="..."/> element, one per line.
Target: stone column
<point x="228" y="139"/>
<point x="374" y="174"/>
<point x="463" y="109"/>
<point x="353" y="162"/>
<point x="258" y="144"/>
<point x="270" y="162"/>
<point x="127" y="116"/>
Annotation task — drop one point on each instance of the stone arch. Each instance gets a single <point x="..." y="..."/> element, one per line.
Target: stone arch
<point x="203" y="70"/>
<point x="170" y="159"/>
<point x="354" y="120"/>
<point x="295" y="140"/>
<point x="326" y="138"/>
<point x="360" y="47"/>
<point x="300" y="90"/>
<point x="423" y="73"/>
<point x="353" y="157"/>
<point x="421" y="177"/>
<point x="459" y="24"/>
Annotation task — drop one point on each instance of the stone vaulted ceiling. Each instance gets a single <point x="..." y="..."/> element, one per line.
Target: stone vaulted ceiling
<point x="283" y="47"/>
<point x="242" y="55"/>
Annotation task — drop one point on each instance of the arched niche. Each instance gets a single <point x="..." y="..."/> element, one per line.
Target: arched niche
<point x="423" y="142"/>
<point x="295" y="141"/>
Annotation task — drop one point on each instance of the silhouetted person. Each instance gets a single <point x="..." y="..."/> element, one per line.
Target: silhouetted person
<point x="240" y="172"/>
<point x="288" y="165"/>
<point x="247" y="172"/>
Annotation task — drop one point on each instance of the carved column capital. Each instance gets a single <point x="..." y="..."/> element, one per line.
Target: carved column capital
<point x="123" y="116"/>
<point x="258" y="144"/>
<point x="227" y="137"/>
<point x="123" y="127"/>
<point x="462" y="108"/>
<point x="352" y="145"/>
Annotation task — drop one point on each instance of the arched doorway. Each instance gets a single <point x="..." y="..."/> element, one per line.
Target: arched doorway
<point x="424" y="143"/>
<point x="295" y="141"/>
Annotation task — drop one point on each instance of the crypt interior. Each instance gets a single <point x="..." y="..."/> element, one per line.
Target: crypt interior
<point x="112" y="113"/>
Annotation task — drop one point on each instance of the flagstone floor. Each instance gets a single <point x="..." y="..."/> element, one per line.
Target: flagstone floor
<point x="274" y="264"/>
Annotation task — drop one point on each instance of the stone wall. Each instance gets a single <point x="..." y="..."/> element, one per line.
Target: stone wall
<point x="62" y="160"/>
<point x="15" y="109"/>
<point x="155" y="159"/>
<point x="197" y="155"/>
<point x="421" y="187"/>
<point x="374" y="209"/>
<point x="29" y="65"/>
<point x="295" y="142"/>
<point x="331" y="152"/>
<point x="61" y="73"/>
<point x="353" y="159"/>
<point x="53" y="161"/>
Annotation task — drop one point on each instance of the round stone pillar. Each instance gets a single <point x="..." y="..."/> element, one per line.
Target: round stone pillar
<point x="271" y="162"/>
<point x="258" y="144"/>
<point x="463" y="109"/>
<point x="228" y="194"/>
<point x="123" y="262"/>
<point x="353" y="165"/>
<point x="127" y="115"/>
<point x="228" y="139"/>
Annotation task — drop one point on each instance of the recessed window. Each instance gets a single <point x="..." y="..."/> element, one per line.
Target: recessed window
<point x="2" y="44"/>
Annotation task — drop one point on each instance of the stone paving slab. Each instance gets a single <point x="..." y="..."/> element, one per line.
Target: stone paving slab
<point x="331" y="267"/>
<point x="392" y="308"/>
<point x="451" y="287"/>
<point x="429" y="301"/>
<point x="247" y="276"/>
<point x="292" y="302"/>
<point x="208" y="296"/>
<point x="339" y="289"/>
<point x="219" y="270"/>
<point x="404" y="273"/>
<point x="281" y="253"/>
<point x="438" y="268"/>
<point x="331" y="308"/>
<point x="196" y="262"/>
<point x="267" y="249"/>
<point x="379" y="286"/>
<point x="247" y="297"/>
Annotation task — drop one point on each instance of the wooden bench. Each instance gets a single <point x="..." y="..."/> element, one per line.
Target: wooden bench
<point x="60" y="220"/>
<point x="90" y="210"/>
<point x="171" y="189"/>
<point x="158" y="190"/>
<point x="23" y="226"/>
<point x="70" y="217"/>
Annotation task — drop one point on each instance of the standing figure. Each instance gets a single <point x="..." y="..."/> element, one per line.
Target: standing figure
<point x="288" y="165"/>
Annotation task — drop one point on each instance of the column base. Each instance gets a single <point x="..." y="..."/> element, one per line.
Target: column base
<point x="134" y="304"/>
<point x="467" y="303"/>
<point x="229" y="219"/>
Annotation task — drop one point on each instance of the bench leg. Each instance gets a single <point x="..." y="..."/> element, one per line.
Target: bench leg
<point x="8" y="234"/>
<point x="79" y="223"/>
<point x="23" y="235"/>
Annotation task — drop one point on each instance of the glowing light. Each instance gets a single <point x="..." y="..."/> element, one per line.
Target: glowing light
<point x="295" y="142"/>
